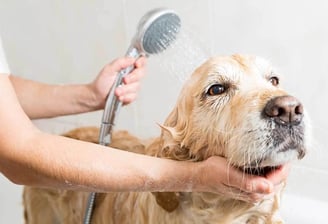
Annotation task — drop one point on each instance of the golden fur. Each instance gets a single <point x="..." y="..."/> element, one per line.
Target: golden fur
<point x="219" y="112"/>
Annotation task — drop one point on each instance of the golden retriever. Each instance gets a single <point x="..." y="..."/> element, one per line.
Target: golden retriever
<point x="231" y="106"/>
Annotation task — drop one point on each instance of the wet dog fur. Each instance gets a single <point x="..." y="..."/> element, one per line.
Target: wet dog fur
<point x="232" y="106"/>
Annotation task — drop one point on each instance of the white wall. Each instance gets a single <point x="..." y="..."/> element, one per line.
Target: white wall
<point x="70" y="41"/>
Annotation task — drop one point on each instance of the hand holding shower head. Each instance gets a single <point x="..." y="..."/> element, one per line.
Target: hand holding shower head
<point x="157" y="29"/>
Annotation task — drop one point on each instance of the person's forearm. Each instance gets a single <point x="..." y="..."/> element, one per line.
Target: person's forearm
<point x="41" y="100"/>
<point x="30" y="157"/>
<point x="55" y="161"/>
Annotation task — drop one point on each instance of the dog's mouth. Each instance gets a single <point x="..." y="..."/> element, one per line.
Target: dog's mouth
<point x="261" y="171"/>
<point x="286" y="147"/>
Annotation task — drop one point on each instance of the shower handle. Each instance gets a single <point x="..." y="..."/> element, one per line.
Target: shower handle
<point x="113" y="104"/>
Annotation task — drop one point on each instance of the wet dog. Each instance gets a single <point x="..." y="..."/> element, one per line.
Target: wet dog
<point x="231" y="106"/>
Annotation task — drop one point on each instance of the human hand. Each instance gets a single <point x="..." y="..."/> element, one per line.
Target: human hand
<point x="106" y="77"/>
<point x="217" y="176"/>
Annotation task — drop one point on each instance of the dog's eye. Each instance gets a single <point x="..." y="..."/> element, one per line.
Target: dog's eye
<point x="274" y="80"/>
<point x="216" y="90"/>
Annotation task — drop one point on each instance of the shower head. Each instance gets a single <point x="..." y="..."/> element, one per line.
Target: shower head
<point x="156" y="30"/>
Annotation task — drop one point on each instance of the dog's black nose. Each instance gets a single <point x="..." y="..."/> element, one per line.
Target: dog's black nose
<point x="285" y="110"/>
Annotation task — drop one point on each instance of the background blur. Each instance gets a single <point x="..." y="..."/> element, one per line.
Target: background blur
<point x="70" y="41"/>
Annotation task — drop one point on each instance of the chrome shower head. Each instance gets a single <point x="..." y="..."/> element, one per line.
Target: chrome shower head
<point x="156" y="30"/>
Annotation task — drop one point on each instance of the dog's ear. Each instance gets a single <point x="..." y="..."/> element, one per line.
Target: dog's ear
<point x="169" y="201"/>
<point x="179" y="116"/>
<point x="178" y="121"/>
<point x="168" y="135"/>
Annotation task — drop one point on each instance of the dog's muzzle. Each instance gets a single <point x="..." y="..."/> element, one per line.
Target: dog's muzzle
<point x="286" y="113"/>
<point x="284" y="135"/>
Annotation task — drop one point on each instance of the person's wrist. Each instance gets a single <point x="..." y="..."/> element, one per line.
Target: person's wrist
<point x="197" y="175"/>
<point x="92" y="100"/>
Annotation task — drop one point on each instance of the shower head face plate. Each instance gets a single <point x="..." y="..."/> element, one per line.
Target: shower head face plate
<point x="157" y="30"/>
<point x="161" y="33"/>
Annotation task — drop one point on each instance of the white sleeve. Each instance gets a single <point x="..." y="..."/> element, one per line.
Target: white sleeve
<point x="4" y="68"/>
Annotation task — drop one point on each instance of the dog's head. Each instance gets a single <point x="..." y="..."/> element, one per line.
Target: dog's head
<point x="235" y="107"/>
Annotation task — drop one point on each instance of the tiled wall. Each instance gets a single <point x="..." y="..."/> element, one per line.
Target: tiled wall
<point x="70" y="41"/>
